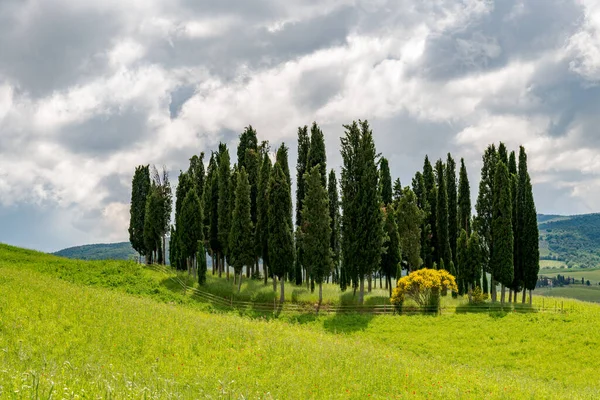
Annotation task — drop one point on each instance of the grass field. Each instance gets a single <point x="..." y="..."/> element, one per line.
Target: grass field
<point x="579" y="292"/>
<point x="547" y="264"/>
<point x="593" y="275"/>
<point x="65" y="332"/>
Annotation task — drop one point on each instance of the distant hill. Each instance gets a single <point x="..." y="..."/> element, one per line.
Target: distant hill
<point x="573" y="240"/>
<point x="101" y="251"/>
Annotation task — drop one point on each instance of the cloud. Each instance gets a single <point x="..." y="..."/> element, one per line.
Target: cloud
<point x="89" y="90"/>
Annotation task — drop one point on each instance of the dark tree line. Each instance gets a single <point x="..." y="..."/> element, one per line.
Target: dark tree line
<point x="367" y="228"/>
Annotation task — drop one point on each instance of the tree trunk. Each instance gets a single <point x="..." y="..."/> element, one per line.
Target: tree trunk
<point x="361" y="292"/>
<point x="369" y="283"/>
<point x="212" y="257"/>
<point x="320" y="293"/>
<point x="530" y="301"/>
<point x="524" y="294"/>
<point x="493" y="289"/>
<point x="388" y="284"/>
<point x="510" y="295"/>
<point x="387" y="278"/>
<point x="265" y="270"/>
<point x="380" y="284"/>
<point x="165" y="250"/>
<point x="274" y="283"/>
<point x="234" y="278"/>
<point x="219" y="269"/>
<point x="470" y="292"/>
<point x="282" y="295"/>
<point x="502" y="294"/>
<point x="247" y="271"/>
<point x="240" y="282"/>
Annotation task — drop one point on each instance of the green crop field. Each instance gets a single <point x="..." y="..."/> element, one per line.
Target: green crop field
<point x="75" y="329"/>
<point x="593" y="275"/>
<point x="579" y="292"/>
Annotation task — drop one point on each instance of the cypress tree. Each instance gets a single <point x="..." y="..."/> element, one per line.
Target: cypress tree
<point x="334" y="223"/>
<point x="431" y="198"/>
<point x="207" y="206"/>
<point x="474" y="263"/>
<point x="153" y="223"/>
<point x="233" y="182"/>
<point x="201" y="262"/>
<point x="464" y="199"/>
<point x="462" y="258"/>
<point x="241" y="237"/>
<point x="390" y="259"/>
<point x="501" y="261"/>
<point x="316" y="153"/>
<point x="280" y="240"/>
<point x="282" y="158"/>
<point x="362" y="236"/>
<point x="485" y="287"/>
<point x="140" y="187"/>
<point x="397" y="193"/>
<point x="248" y="140"/>
<point x="191" y="227"/>
<point x="503" y="153"/>
<point x="184" y="186"/>
<point x="517" y="283"/>
<point x="528" y="228"/>
<point x="262" y="207"/>
<point x="484" y="205"/>
<point x="385" y="181"/>
<point x="409" y="218"/>
<point x="196" y="172"/>
<point x="223" y="207"/>
<point x="418" y="184"/>
<point x="443" y="249"/>
<point x="252" y="167"/>
<point x="214" y="242"/>
<point x="303" y="148"/>
<point x="452" y="205"/>
<point x="317" y="229"/>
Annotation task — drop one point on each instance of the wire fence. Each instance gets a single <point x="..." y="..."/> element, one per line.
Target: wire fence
<point x="229" y="303"/>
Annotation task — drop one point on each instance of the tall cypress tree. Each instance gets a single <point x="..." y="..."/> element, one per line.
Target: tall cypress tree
<point x="474" y="261"/>
<point x="252" y="167"/>
<point x="316" y="153"/>
<point x="248" y="140"/>
<point x="317" y="231"/>
<point x="262" y="207"/>
<point x="418" y="184"/>
<point x="184" y="186"/>
<point x="140" y="187"/>
<point x="385" y="181"/>
<point x="390" y="259"/>
<point x="191" y="227"/>
<point x="303" y="148"/>
<point x="397" y="193"/>
<point x="409" y="218"/>
<point x="452" y="205"/>
<point x="528" y="228"/>
<point x="215" y="243"/>
<point x="443" y="249"/>
<point x="334" y="223"/>
<point x="464" y="199"/>
<point x="501" y="261"/>
<point x="431" y="196"/>
<point x="153" y="223"/>
<point x="223" y="207"/>
<point x="233" y="183"/>
<point x="207" y="206"/>
<point x="196" y="172"/>
<point x="484" y="205"/>
<point x="282" y="158"/>
<point x="503" y="153"/>
<point x="462" y="265"/>
<point x="280" y="240"/>
<point x="241" y="237"/>
<point x="517" y="283"/>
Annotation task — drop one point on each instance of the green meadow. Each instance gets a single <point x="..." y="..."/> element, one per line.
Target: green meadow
<point x="75" y="329"/>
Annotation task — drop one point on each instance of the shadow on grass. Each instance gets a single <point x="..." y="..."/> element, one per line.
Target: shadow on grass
<point x="347" y="323"/>
<point x="495" y="310"/>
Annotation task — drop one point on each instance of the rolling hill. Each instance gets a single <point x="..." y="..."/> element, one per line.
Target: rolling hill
<point x="101" y="251"/>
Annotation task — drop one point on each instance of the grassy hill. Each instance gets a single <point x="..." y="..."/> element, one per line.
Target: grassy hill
<point x="570" y="241"/>
<point x="101" y="251"/>
<point x="71" y="328"/>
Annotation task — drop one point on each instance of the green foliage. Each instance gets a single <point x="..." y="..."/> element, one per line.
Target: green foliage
<point x="385" y="181"/>
<point x="501" y="261"/>
<point x="443" y="249"/>
<point x="262" y="206"/>
<point x="303" y="149"/>
<point x="430" y="194"/>
<point x="316" y="153"/>
<point x="418" y="184"/>
<point x="253" y="165"/>
<point x="197" y="174"/>
<point x="201" y="262"/>
<point x="484" y="205"/>
<point x="207" y="198"/>
<point x="452" y="205"/>
<point x="316" y="228"/>
<point x="573" y="240"/>
<point x="100" y="251"/>
<point x="463" y="264"/>
<point x="223" y="205"/>
<point x="390" y="259"/>
<point x="191" y="225"/>
<point x="397" y="194"/>
<point x="334" y="222"/>
<point x="464" y="199"/>
<point x="280" y="240"/>
<point x="241" y="238"/>
<point x="409" y="218"/>
<point x="474" y="261"/>
<point x="140" y="187"/>
<point x="281" y="157"/>
<point x="248" y="140"/>
<point x="529" y="233"/>
<point x="214" y="242"/>
<point x="153" y="222"/>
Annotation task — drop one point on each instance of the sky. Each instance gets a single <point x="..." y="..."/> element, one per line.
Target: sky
<point x="90" y="89"/>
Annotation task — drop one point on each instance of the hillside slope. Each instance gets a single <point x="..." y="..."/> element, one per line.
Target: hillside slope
<point x="100" y="251"/>
<point x="573" y="240"/>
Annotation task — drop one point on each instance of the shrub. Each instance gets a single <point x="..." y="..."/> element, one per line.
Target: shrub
<point x="424" y="286"/>
<point x="478" y="297"/>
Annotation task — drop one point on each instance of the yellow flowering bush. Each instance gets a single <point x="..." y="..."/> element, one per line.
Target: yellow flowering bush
<point x="424" y="286"/>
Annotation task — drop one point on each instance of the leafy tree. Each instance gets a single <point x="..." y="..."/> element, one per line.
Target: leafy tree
<point x="262" y="208"/>
<point x="252" y="166"/>
<point x="241" y="237"/>
<point x="206" y="201"/>
<point x="201" y="262"/>
<point x="385" y="181"/>
<point x="517" y="282"/>
<point x="528" y="228"/>
<point x="153" y="223"/>
<point x="303" y="149"/>
<point x="418" y="184"/>
<point x="462" y="258"/>
<point x="409" y="218"/>
<point x="280" y="240"/>
<point x="334" y="223"/>
<point x="163" y="223"/>
<point x="223" y="206"/>
<point x="431" y="199"/>
<point x="425" y="287"/>
<point x="443" y="249"/>
<point x="397" y="194"/>
<point x="214" y="242"/>
<point x="317" y="154"/>
<point x="390" y="260"/>
<point x="248" y="140"/>
<point x="184" y="185"/>
<point x="196" y="172"/>
<point x="484" y="205"/>
<point x="362" y="221"/>
<point x="452" y="205"/>
<point x="140" y="187"/>
<point x="464" y="199"/>
<point x="233" y="183"/>
<point x="474" y="263"/>
<point x="316" y="228"/>
<point x="191" y="227"/>
<point x="501" y="261"/>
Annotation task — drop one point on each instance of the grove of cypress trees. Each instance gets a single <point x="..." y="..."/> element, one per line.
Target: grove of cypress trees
<point x="262" y="207"/>
<point x="280" y="239"/>
<point x="223" y="207"/>
<point x="303" y="148"/>
<point x="241" y="237"/>
<point x="501" y="261"/>
<point x="409" y="219"/>
<point x="452" y="205"/>
<point x="385" y="181"/>
<point x="464" y="199"/>
<point x="140" y="187"/>
<point x="191" y="227"/>
<point x="317" y="229"/>
<point x="443" y="244"/>
<point x="334" y="223"/>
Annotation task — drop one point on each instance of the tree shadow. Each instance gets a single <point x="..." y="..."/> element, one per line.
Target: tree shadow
<point x="495" y="310"/>
<point x="347" y="322"/>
